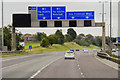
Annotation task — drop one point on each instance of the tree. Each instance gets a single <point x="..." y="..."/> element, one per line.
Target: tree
<point x="7" y="36"/>
<point x="81" y="42"/>
<point x="108" y="41"/>
<point x="89" y="38"/>
<point x="45" y="42"/>
<point x="98" y="41"/>
<point x="8" y="39"/>
<point x="53" y="39"/>
<point x="60" y="36"/>
<point x="68" y="38"/>
<point x="72" y="33"/>
<point x="40" y="36"/>
<point x="80" y="36"/>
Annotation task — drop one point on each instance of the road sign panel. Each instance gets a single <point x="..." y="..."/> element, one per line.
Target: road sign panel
<point x="118" y="38"/>
<point x="58" y="12"/>
<point x="44" y="13"/>
<point x="80" y="15"/>
<point x="33" y="8"/>
<point x="30" y="46"/>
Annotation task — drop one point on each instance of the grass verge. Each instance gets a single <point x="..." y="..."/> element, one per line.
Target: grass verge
<point x="34" y="44"/>
<point x="54" y="48"/>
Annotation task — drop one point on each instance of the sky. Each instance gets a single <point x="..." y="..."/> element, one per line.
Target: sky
<point x="21" y="6"/>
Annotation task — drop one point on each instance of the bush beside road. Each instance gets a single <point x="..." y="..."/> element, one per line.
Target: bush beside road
<point x="54" y="48"/>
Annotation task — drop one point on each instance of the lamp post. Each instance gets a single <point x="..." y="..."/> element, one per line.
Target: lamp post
<point x="103" y="10"/>
<point x="103" y="27"/>
<point x="110" y="27"/>
<point x="2" y="29"/>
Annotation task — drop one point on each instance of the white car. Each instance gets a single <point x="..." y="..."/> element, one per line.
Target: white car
<point x="85" y="50"/>
<point x="118" y="49"/>
<point x="69" y="55"/>
<point x="113" y="50"/>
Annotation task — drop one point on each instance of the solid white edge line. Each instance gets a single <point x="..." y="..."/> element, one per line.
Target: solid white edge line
<point x="42" y="69"/>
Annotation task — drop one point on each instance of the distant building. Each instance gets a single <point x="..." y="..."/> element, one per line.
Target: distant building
<point x="28" y="37"/>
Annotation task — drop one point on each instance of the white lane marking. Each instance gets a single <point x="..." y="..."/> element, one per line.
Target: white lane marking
<point x="105" y="63"/>
<point x="42" y="69"/>
<point x="81" y="73"/>
<point x="78" y="65"/>
<point x="79" y="68"/>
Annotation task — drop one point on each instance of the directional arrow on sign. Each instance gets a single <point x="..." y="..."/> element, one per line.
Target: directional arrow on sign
<point x="87" y="17"/>
<point x="58" y="17"/>
<point x="73" y="17"/>
<point x="43" y="17"/>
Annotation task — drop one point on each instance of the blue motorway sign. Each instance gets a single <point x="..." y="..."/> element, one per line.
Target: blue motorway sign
<point x="118" y="38"/>
<point x="80" y="15"/>
<point x="30" y="46"/>
<point x="44" y="13"/>
<point x="33" y="8"/>
<point x="58" y="12"/>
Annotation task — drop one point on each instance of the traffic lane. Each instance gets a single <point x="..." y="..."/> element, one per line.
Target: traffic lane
<point x="19" y="59"/>
<point x="28" y="68"/>
<point x="25" y="56"/>
<point x="92" y="68"/>
<point x="61" y="69"/>
<point x="16" y="61"/>
<point x="84" y="66"/>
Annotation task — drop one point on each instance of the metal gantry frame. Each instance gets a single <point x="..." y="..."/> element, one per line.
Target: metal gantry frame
<point x="100" y="24"/>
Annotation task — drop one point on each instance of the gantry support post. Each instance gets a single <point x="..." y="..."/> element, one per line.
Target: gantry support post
<point x="13" y="43"/>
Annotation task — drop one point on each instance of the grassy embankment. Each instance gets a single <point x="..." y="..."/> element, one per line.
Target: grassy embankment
<point x="54" y="48"/>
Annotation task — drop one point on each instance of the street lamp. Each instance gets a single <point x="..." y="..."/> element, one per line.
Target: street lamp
<point x="2" y="28"/>
<point x="103" y="9"/>
<point x="110" y="20"/>
<point x="103" y="34"/>
<point x="110" y="27"/>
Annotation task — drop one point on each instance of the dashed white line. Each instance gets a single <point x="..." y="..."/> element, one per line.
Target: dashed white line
<point x="81" y="73"/>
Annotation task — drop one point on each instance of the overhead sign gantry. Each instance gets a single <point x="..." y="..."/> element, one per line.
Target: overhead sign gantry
<point x="55" y="16"/>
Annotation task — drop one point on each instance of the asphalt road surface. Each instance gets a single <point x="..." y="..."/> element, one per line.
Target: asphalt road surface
<point x="53" y="65"/>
